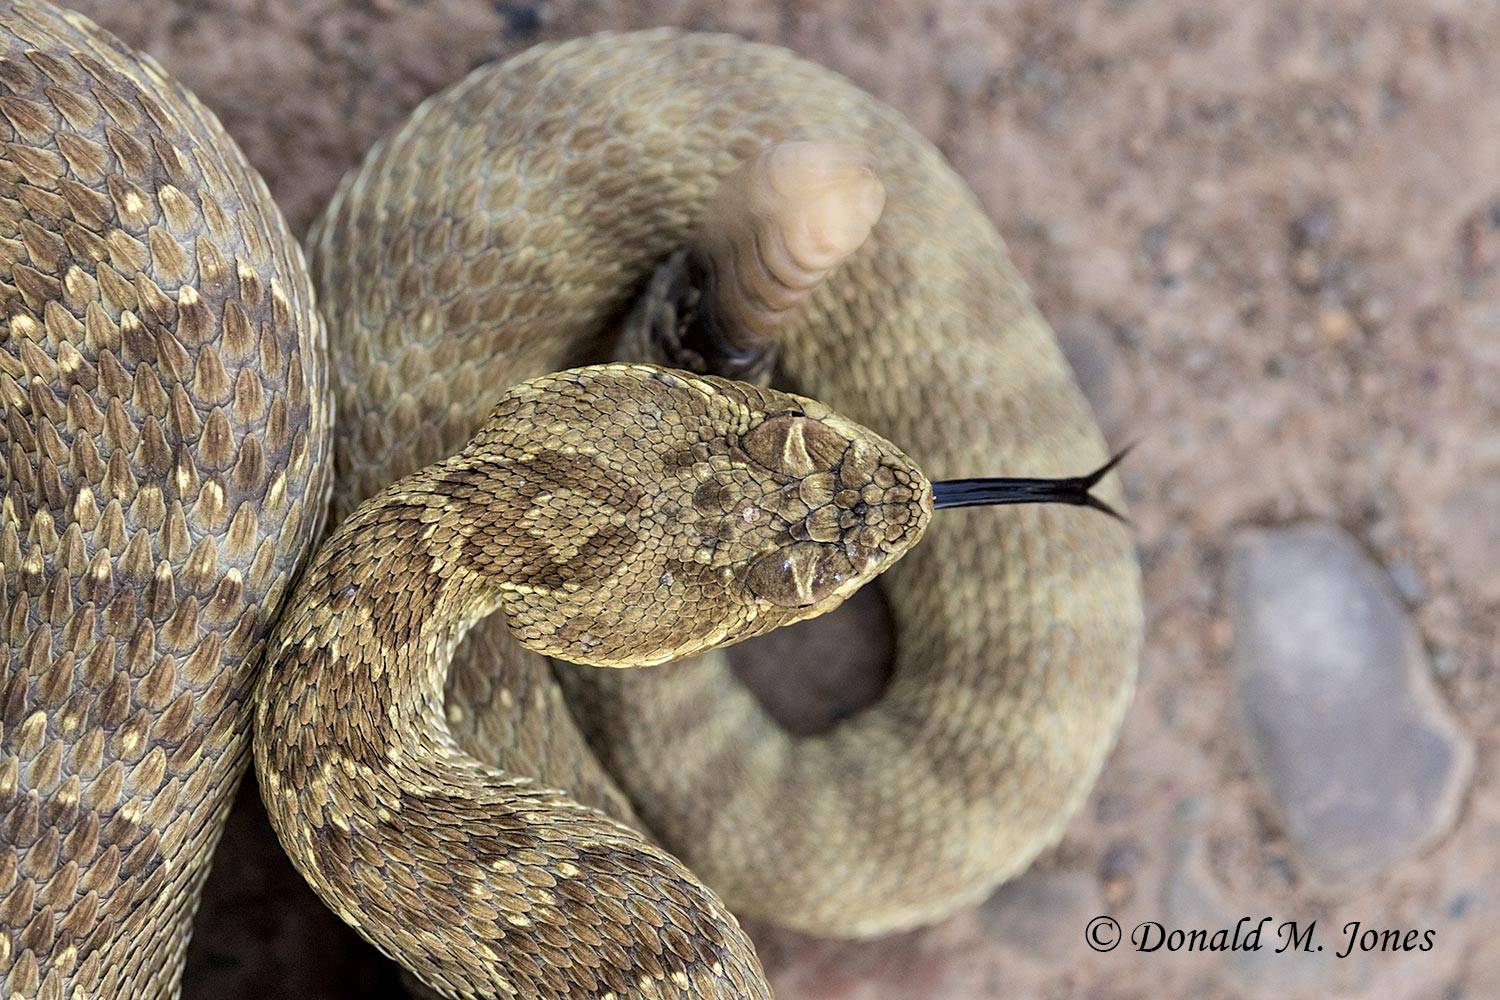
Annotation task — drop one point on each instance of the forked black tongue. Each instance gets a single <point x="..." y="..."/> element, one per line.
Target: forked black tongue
<point x="988" y="492"/>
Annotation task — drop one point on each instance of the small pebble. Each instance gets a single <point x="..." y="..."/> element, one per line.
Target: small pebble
<point x="521" y="19"/>
<point x="1118" y="871"/>
<point x="1408" y="581"/>
<point x="1460" y="905"/>
<point x="1336" y="326"/>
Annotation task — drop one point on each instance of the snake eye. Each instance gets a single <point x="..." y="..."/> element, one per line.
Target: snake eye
<point x="795" y="446"/>
<point x="798" y="576"/>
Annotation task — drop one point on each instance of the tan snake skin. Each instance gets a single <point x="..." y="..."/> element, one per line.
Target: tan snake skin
<point x="479" y="834"/>
<point x="164" y="446"/>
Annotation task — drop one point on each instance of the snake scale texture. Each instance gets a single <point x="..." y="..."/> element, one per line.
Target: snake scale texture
<point x="499" y="821"/>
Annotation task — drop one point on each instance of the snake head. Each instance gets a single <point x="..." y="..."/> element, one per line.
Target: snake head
<point x="850" y="504"/>
<point x="794" y="508"/>
<point x="636" y="514"/>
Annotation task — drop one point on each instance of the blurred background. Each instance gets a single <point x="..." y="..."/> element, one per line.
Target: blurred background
<point x="1268" y="236"/>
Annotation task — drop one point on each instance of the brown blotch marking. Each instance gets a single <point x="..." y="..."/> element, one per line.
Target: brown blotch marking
<point x="526" y="560"/>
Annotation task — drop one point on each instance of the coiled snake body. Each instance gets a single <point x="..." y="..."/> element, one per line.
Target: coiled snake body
<point x="165" y="441"/>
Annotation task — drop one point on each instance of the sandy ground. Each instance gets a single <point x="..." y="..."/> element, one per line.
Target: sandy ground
<point x="1268" y="234"/>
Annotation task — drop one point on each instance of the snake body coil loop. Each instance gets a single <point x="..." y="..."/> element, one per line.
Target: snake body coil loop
<point x="501" y="824"/>
<point x="164" y="466"/>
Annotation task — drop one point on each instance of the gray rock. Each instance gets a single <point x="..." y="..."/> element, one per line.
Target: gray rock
<point x="1043" y="913"/>
<point x="1362" y="758"/>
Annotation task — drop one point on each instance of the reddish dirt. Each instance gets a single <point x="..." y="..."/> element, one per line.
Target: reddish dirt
<point x="1269" y="237"/>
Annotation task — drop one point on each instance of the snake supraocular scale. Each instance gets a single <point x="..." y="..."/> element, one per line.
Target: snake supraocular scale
<point x="479" y="835"/>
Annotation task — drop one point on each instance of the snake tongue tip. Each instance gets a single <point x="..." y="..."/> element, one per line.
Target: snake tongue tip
<point x="1092" y="479"/>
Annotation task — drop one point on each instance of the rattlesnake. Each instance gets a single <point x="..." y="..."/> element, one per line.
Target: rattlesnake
<point x="165" y="389"/>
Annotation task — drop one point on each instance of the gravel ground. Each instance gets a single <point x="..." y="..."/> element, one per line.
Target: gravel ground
<point x="1268" y="234"/>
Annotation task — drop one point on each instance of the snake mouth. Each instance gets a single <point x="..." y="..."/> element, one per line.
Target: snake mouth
<point x="1076" y="491"/>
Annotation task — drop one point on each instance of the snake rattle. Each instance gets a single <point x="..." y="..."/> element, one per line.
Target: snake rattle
<point x="690" y="218"/>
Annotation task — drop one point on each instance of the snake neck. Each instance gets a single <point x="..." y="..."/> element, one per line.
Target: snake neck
<point x="462" y="872"/>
